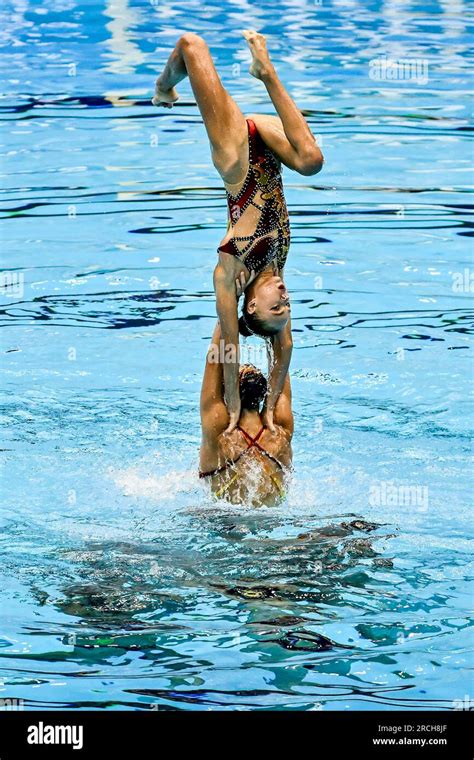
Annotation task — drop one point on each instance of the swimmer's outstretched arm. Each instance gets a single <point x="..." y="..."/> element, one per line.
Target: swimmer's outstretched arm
<point x="214" y="414"/>
<point x="283" y="409"/>
<point x="279" y="365"/>
<point x="226" y="306"/>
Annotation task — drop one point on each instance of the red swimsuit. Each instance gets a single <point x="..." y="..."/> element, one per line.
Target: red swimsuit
<point x="270" y="240"/>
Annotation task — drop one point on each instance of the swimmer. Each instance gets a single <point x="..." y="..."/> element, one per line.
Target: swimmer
<point x="251" y="464"/>
<point x="248" y="154"/>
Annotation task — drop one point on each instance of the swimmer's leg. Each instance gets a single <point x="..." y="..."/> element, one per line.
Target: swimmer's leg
<point x="296" y="147"/>
<point x="224" y="121"/>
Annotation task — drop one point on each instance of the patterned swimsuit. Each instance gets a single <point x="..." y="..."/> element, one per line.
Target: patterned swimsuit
<point x="262" y="189"/>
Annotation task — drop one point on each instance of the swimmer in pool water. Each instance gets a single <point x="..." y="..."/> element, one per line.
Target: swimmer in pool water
<point x="248" y="153"/>
<point x="249" y="465"/>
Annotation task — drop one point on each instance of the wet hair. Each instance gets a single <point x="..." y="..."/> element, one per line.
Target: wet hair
<point x="251" y="324"/>
<point x="252" y="386"/>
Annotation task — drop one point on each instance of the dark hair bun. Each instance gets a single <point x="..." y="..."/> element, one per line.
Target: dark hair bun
<point x="243" y="327"/>
<point x="253" y="388"/>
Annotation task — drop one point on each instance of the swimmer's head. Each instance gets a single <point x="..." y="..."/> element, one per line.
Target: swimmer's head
<point x="252" y="386"/>
<point x="266" y="309"/>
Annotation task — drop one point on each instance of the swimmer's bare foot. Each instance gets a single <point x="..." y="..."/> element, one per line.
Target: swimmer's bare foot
<point x="162" y="97"/>
<point x="261" y="65"/>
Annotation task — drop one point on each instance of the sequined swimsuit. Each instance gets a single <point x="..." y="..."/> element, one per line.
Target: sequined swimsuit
<point x="262" y="189"/>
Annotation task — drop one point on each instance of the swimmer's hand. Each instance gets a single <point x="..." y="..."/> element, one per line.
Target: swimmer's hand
<point x="234" y="415"/>
<point x="241" y="283"/>
<point x="165" y="98"/>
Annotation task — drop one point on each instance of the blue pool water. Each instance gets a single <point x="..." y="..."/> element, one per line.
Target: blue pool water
<point x="123" y="585"/>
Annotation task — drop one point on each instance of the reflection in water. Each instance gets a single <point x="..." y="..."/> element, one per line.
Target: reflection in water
<point x="126" y="54"/>
<point x="312" y="601"/>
